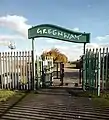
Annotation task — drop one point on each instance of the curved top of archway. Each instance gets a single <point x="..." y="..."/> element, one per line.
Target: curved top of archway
<point x="57" y="32"/>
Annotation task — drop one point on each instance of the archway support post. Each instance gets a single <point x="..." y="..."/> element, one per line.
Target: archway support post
<point x="33" y="66"/>
<point x="84" y="48"/>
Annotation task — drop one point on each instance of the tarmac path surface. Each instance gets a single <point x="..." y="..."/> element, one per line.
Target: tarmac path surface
<point x="61" y="103"/>
<point x="53" y="104"/>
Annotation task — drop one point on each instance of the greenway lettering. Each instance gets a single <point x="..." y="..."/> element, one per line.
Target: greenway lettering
<point x="57" y="33"/>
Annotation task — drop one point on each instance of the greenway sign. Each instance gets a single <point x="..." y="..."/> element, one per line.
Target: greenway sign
<point x="56" y="32"/>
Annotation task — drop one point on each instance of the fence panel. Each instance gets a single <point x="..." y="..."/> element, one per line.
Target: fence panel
<point x="96" y="73"/>
<point x="15" y="70"/>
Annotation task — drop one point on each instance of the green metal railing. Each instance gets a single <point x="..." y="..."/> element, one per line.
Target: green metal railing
<point x="96" y="70"/>
<point x="44" y="72"/>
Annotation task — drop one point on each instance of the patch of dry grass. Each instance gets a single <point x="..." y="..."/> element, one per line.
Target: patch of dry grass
<point x="6" y="94"/>
<point x="102" y="101"/>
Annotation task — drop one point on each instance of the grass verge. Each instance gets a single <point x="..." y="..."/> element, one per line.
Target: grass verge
<point x="102" y="101"/>
<point x="7" y="94"/>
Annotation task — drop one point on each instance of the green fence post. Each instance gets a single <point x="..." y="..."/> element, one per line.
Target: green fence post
<point x="102" y="69"/>
<point x="43" y="73"/>
<point x="51" y="77"/>
<point x="84" y="72"/>
<point x="90" y="71"/>
<point x="106" y="69"/>
<point x="33" y="66"/>
<point x="40" y="70"/>
<point x="96" y="68"/>
<point x="38" y="73"/>
<point x="93" y="69"/>
<point x="99" y="65"/>
<point x="86" y="66"/>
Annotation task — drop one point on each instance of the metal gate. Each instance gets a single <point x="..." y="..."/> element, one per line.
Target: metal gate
<point x="47" y="71"/>
<point x="58" y="71"/>
<point x="96" y="70"/>
<point x="44" y="72"/>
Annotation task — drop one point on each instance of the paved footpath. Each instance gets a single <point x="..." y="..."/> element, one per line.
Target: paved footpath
<point x="53" y="104"/>
<point x="71" y="75"/>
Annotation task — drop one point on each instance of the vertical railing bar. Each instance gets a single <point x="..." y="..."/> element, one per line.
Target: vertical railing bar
<point x="106" y="68"/>
<point x="102" y="69"/>
<point x="17" y="73"/>
<point x="100" y="65"/>
<point x="1" y="71"/>
<point x="26" y="61"/>
<point x="93" y="68"/>
<point x="86" y="66"/>
<point x="9" y="68"/>
<point x="4" y="71"/>
<point x="23" y="61"/>
<point x="15" y="80"/>
<point x="42" y="73"/>
<point x="88" y="75"/>
<point x="32" y="70"/>
<point x="96" y="56"/>
<point x="57" y="69"/>
<point x="52" y="71"/>
<point x="84" y="73"/>
<point x="20" y="69"/>
<point x="29" y="79"/>
<point x="38" y="73"/>
<point x="99" y="73"/>
<point x="12" y="71"/>
<point x="6" y="62"/>
<point x="90" y="72"/>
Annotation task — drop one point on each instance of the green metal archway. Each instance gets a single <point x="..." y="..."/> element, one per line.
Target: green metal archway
<point x="56" y="32"/>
